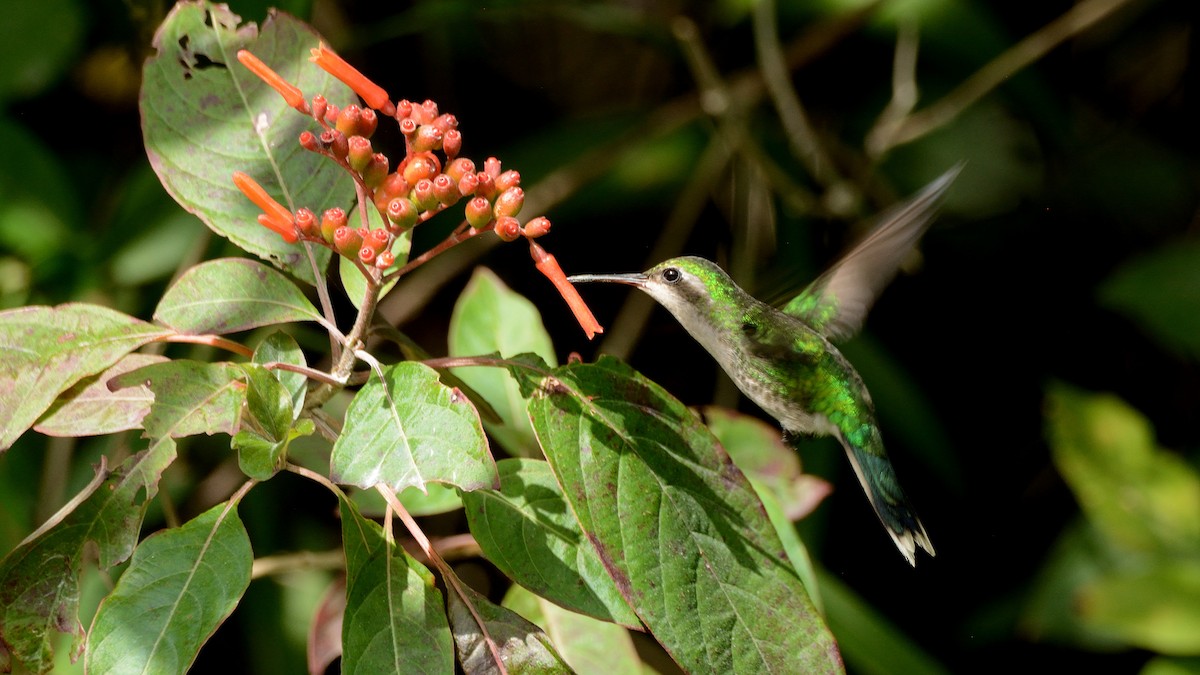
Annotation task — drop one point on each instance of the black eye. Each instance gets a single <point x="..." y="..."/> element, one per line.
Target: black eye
<point x="671" y="275"/>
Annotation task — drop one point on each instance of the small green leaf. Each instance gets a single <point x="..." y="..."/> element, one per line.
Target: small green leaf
<point x="678" y="526"/>
<point x="269" y="403"/>
<point x="39" y="579"/>
<point x="394" y="620"/>
<point x="282" y="348"/>
<point x="205" y="116"/>
<point x="90" y="408"/>
<point x="259" y="458"/>
<point x="491" y="318"/>
<point x="190" y="397"/>
<point x="231" y="295"/>
<point x="587" y="645"/>
<point x="527" y="530"/>
<point x="1161" y="291"/>
<point x="45" y="350"/>
<point x="522" y="646"/>
<point x="411" y="431"/>
<point x="180" y="586"/>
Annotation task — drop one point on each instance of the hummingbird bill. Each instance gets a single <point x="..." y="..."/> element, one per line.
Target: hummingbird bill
<point x="784" y="359"/>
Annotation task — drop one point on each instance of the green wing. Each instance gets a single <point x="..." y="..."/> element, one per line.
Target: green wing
<point x="836" y="304"/>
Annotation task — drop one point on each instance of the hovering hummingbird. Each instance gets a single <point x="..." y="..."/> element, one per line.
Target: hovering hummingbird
<point x="784" y="359"/>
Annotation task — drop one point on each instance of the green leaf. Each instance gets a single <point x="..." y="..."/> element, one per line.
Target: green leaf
<point x="587" y="645"/>
<point x="45" y="350"/>
<point x="180" y="586"/>
<point x="1104" y="448"/>
<point x="39" y="579"/>
<point x="871" y="644"/>
<point x="190" y="397"/>
<point x="269" y="403"/>
<point x="526" y="529"/>
<point x="259" y="458"/>
<point x="1166" y="666"/>
<point x="394" y="620"/>
<point x="1161" y="291"/>
<point x="436" y="499"/>
<point x="282" y="348"/>
<point x="38" y="41"/>
<point x="678" y="526"/>
<point x="759" y="451"/>
<point x="491" y="318"/>
<point x="409" y="432"/>
<point x="522" y="646"/>
<point x="1156" y="607"/>
<point x="231" y="295"/>
<point x="90" y="408"/>
<point x="205" y="116"/>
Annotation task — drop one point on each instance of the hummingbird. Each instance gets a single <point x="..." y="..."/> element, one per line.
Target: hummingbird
<point x="784" y="359"/>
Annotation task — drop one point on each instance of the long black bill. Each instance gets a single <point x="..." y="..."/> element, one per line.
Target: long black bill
<point x="629" y="279"/>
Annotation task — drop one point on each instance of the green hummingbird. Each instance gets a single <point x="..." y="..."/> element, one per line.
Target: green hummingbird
<point x="784" y="359"/>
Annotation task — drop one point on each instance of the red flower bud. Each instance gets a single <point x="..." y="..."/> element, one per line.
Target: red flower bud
<point x="359" y="154"/>
<point x="348" y="120"/>
<point x="404" y="109"/>
<point x="452" y="143"/>
<point x="507" y="180"/>
<point x="393" y="186"/>
<point x="306" y="222"/>
<point x="290" y="93"/>
<point x="508" y="228"/>
<point x="468" y="184"/>
<point x="402" y="214"/>
<point x="276" y="212"/>
<point x="459" y="168"/>
<point x="347" y="240"/>
<point x="491" y="166"/>
<point x="283" y="229"/>
<point x="376" y="170"/>
<point x="367" y="255"/>
<point x="509" y="202"/>
<point x="331" y="220"/>
<point x="367" y="122"/>
<point x="428" y="111"/>
<point x="478" y="212"/>
<point x="420" y="166"/>
<point x="336" y="142"/>
<point x="385" y="259"/>
<point x="537" y="227"/>
<point x="319" y="106"/>
<point x="331" y="113"/>
<point x="377" y="239"/>
<point x="445" y="190"/>
<point x="408" y="127"/>
<point x="428" y="137"/>
<point x="309" y="142"/>
<point x="422" y="195"/>
<point x="487" y="185"/>
<point x="373" y="94"/>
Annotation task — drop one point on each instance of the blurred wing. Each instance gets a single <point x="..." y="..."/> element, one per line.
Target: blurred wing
<point x="837" y="302"/>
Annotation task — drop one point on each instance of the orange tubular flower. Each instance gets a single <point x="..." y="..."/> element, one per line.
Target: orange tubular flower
<point x="289" y="92"/>
<point x="371" y="93"/>
<point x="275" y="216"/>
<point x="547" y="265"/>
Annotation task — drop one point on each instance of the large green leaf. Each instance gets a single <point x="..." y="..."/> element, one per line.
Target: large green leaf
<point x="45" y="350"/>
<point x="230" y="295"/>
<point x="480" y="624"/>
<point x="90" y="408"/>
<point x="527" y="530"/>
<point x="39" y="580"/>
<point x="180" y="586"/>
<point x="490" y="318"/>
<point x="587" y="645"/>
<point x="411" y="430"/>
<point x="678" y="526"/>
<point x="190" y="397"/>
<point x="394" y="618"/>
<point x="205" y="116"/>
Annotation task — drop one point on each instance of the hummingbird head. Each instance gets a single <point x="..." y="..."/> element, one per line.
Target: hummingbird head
<point x="686" y="286"/>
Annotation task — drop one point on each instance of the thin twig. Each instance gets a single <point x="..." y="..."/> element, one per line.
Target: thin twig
<point x="272" y="565"/>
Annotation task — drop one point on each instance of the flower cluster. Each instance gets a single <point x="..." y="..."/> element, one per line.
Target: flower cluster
<point x="430" y="178"/>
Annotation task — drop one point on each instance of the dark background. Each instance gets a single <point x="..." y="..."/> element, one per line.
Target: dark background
<point x="1081" y="173"/>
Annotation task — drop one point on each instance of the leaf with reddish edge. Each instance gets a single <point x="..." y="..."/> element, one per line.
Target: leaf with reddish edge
<point x="90" y="408"/>
<point x="411" y="431"/>
<point x="678" y="526"/>
<point x="394" y="621"/>
<point x="205" y="115"/>
<point x="325" y="631"/>
<point x="231" y="295"/>
<point x="45" y="350"/>
<point x="39" y="579"/>
<point x="190" y="397"/>
<point x="481" y="625"/>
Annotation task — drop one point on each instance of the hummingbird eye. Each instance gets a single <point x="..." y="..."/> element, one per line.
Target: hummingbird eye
<point x="671" y="275"/>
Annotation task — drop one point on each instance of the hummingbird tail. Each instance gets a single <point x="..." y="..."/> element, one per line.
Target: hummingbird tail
<point x="878" y="478"/>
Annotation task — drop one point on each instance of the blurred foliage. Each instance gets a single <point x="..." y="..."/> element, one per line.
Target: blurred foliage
<point x="1067" y="253"/>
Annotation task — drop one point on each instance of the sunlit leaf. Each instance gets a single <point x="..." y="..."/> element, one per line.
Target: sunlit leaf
<point x="522" y="646"/>
<point x="190" y="397"/>
<point x="491" y="318"/>
<point x="587" y="645"/>
<point x="45" y="350"/>
<point x="39" y="580"/>
<point x="394" y="620"/>
<point x="677" y="525"/>
<point x="180" y="586"/>
<point x="230" y="295"/>
<point x="281" y="347"/>
<point x="409" y="432"/>
<point x="90" y="408"/>
<point x="527" y="530"/>
<point x="195" y="94"/>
